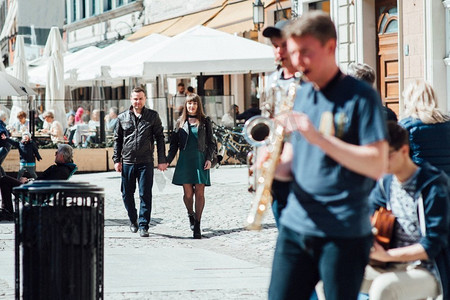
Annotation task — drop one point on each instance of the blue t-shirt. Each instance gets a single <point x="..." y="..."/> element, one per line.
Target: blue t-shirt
<point x="327" y="199"/>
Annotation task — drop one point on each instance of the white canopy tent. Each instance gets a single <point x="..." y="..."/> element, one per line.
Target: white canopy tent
<point x="133" y="64"/>
<point x="37" y="75"/>
<point x="99" y="68"/>
<point x="198" y="50"/>
<point x="209" y="51"/>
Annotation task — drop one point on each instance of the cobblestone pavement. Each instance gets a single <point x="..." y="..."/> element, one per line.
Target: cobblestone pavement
<point x="224" y="239"/>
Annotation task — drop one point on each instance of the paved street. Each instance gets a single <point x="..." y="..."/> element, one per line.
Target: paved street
<point x="228" y="263"/>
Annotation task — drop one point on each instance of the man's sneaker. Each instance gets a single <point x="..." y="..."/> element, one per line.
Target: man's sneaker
<point x="143" y="232"/>
<point x="134" y="227"/>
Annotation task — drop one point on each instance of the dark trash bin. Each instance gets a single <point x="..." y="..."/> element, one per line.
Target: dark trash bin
<point x="59" y="240"/>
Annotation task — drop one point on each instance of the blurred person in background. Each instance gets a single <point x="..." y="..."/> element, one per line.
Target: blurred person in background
<point x="111" y="119"/>
<point x="428" y="127"/>
<point x="22" y="124"/>
<point x="78" y="115"/>
<point x="28" y="152"/>
<point x="4" y="145"/>
<point x="229" y="118"/>
<point x="53" y="128"/>
<point x="61" y="170"/>
<point x="417" y="259"/>
<point x="366" y="73"/>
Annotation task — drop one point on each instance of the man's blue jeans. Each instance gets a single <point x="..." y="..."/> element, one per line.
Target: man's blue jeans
<point x="300" y="261"/>
<point x="143" y="174"/>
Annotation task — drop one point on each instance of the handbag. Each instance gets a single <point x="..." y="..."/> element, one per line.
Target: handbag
<point x="383" y="221"/>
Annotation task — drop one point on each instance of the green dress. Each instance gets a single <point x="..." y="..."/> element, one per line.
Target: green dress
<point x="190" y="164"/>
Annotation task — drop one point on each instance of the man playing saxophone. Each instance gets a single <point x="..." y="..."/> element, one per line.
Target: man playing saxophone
<point x="338" y="148"/>
<point x="278" y="81"/>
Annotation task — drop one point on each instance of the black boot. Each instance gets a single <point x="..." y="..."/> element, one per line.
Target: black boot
<point x="197" y="230"/>
<point x="192" y="220"/>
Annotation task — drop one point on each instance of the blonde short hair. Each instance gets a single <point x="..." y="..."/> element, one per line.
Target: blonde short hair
<point x="48" y="114"/>
<point x="420" y="103"/>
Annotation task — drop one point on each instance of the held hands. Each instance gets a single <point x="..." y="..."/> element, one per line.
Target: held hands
<point x="207" y="165"/>
<point x="163" y="166"/>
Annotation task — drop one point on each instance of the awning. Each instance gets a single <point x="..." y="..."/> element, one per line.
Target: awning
<point x="175" y="26"/>
<point x="192" y="20"/>
<point x="208" y="51"/>
<point x="158" y="27"/>
<point x="10" y="20"/>
<point x="235" y="17"/>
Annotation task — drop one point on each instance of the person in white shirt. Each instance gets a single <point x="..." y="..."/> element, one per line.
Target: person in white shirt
<point x="53" y="127"/>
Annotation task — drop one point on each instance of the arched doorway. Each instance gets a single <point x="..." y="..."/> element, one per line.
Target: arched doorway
<point x="387" y="49"/>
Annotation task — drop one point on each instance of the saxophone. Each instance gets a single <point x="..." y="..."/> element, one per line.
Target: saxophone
<point x="259" y="131"/>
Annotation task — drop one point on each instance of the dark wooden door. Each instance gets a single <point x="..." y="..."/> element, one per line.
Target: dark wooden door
<point x="387" y="44"/>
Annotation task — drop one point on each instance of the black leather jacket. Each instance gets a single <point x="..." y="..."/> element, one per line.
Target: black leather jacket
<point x="134" y="138"/>
<point x="206" y="140"/>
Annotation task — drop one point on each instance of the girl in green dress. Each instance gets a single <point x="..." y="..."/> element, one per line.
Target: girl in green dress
<point x="194" y="138"/>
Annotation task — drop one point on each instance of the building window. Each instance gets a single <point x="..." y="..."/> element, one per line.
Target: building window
<point x="389" y="21"/>
<point x="320" y="5"/>
<point x="119" y="3"/>
<point x="94" y="6"/>
<point x="83" y="10"/>
<point x="74" y="11"/>
<point x="107" y="5"/>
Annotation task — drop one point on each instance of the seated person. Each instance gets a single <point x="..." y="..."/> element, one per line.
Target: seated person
<point x="94" y="126"/>
<point x="81" y="130"/>
<point x="70" y="130"/>
<point x="61" y="170"/>
<point x="228" y="118"/>
<point x="250" y="112"/>
<point x="22" y="124"/>
<point x="417" y="259"/>
<point x="111" y="119"/>
<point x="53" y="128"/>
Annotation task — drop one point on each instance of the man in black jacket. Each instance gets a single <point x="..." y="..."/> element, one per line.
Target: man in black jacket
<point x="134" y="136"/>
<point x="61" y="170"/>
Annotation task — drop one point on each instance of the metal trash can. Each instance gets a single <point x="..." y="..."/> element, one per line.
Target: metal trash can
<point x="59" y="240"/>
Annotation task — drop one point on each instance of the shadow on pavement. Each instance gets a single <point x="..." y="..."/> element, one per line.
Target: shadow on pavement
<point x="126" y="222"/>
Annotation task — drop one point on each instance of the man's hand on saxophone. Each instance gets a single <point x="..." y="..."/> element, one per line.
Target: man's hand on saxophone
<point x="283" y="171"/>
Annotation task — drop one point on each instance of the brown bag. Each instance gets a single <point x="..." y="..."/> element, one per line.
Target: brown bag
<point x="383" y="221"/>
<point x="383" y="226"/>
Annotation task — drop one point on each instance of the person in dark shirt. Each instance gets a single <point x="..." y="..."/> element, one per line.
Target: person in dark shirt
<point x="250" y="112"/>
<point x="28" y="152"/>
<point x="337" y="149"/>
<point x="61" y="170"/>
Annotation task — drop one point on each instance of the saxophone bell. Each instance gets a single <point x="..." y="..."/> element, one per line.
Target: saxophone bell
<point x="258" y="131"/>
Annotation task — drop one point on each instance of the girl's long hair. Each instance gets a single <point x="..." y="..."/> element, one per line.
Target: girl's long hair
<point x="420" y="103"/>
<point x="200" y="114"/>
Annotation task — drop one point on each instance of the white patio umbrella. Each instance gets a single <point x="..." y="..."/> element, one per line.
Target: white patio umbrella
<point x="20" y="71"/>
<point x="11" y="86"/>
<point x="54" y="89"/>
